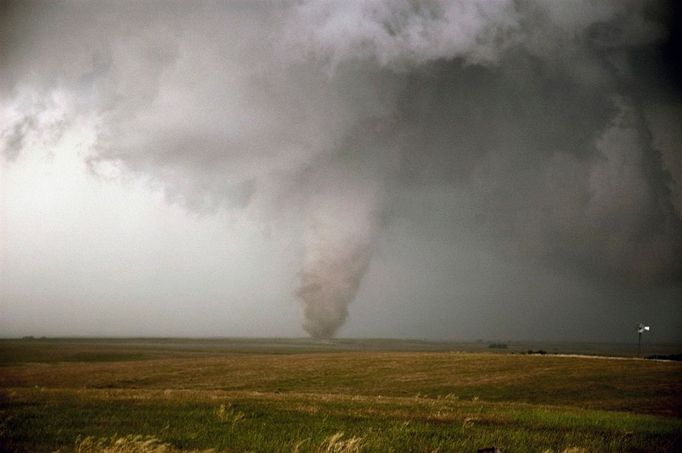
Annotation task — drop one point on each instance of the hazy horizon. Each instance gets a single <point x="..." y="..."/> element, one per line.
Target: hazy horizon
<point x="484" y="342"/>
<point x="424" y="170"/>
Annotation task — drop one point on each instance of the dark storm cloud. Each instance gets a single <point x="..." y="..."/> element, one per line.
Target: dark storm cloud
<point x="15" y="138"/>
<point x="548" y="120"/>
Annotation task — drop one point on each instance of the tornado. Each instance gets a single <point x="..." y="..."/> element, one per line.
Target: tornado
<point x="341" y="224"/>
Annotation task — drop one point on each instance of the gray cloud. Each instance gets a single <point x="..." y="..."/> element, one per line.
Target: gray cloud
<point x="14" y="138"/>
<point x="536" y="116"/>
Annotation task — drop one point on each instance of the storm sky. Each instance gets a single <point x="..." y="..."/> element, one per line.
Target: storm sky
<point x="429" y="169"/>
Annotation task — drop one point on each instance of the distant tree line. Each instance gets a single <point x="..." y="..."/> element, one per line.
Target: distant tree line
<point x="497" y="345"/>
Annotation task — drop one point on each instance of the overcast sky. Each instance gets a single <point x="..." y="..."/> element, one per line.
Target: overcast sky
<point x="427" y="169"/>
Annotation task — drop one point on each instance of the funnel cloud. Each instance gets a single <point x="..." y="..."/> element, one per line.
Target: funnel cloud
<point x="340" y="227"/>
<point x="429" y="158"/>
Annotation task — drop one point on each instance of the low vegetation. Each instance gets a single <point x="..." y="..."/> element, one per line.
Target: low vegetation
<point x="498" y="346"/>
<point x="203" y="400"/>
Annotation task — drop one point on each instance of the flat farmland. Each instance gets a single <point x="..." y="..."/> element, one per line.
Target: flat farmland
<point x="272" y="395"/>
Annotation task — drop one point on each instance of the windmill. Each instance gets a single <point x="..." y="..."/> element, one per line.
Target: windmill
<point x="641" y="328"/>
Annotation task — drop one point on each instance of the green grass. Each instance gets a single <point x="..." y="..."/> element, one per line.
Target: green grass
<point x="392" y="401"/>
<point x="43" y="420"/>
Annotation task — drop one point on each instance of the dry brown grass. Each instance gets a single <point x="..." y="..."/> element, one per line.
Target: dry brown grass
<point x="437" y="403"/>
<point x="336" y="443"/>
<point x="630" y="385"/>
<point x="126" y="444"/>
<point x="229" y="415"/>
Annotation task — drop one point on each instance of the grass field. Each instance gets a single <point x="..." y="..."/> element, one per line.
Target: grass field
<point x="299" y="395"/>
